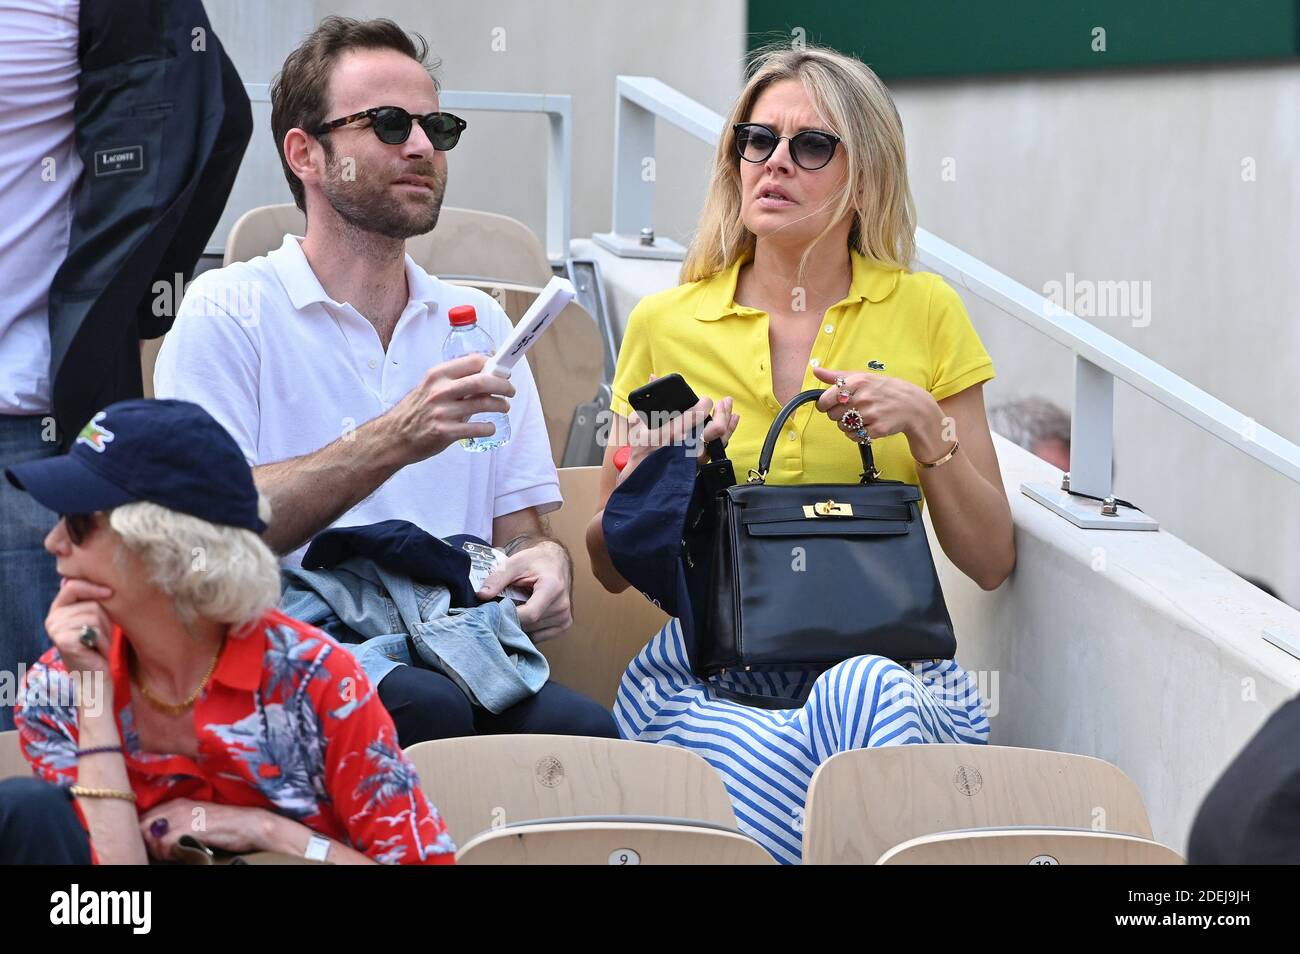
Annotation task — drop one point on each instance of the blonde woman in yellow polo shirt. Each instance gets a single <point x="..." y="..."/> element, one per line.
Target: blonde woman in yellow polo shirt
<point x="797" y="279"/>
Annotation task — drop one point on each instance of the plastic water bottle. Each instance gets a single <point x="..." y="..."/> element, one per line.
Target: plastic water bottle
<point x="468" y="338"/>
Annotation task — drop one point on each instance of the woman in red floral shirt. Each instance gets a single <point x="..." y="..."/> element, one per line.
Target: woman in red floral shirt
<point x="175" y="701"/>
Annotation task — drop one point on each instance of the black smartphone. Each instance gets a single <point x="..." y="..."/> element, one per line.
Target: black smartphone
<point x="662" y="399"/>
<point x="666" y="398"/>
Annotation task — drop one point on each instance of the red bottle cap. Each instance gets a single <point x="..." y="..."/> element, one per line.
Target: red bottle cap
<point x="462" y="315"/>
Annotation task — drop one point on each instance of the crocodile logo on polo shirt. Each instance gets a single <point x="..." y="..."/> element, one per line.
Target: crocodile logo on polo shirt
<point x="876" y="365"/>
<point x="94" y="435"/>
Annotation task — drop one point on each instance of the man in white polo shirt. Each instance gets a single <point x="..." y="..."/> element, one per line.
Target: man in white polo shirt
<point x="324" y="361"/>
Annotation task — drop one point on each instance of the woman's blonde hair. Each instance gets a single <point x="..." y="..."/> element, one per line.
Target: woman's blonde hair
<point x="858" y="108"/>
<point x="225" y="574"/>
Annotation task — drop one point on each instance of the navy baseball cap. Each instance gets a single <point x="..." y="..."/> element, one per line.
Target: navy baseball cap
<point x="172" y="453"/>
<point x="644" y="523"/>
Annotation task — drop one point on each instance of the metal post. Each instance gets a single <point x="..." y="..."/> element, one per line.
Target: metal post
<point x="639" y="100"/>
<point x="1092" y="429"/>
<point x="634" y="186"/>
<point x="1092" y="441"/>
<point x="559" y="179"/>
<point x="634" y="150"/>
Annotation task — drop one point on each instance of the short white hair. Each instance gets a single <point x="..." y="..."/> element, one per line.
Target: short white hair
<point x="215" y="572"/>
<point x="1029" y="420"/>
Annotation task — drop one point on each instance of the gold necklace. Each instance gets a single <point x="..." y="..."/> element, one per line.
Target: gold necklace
<point x="176" y="708"/>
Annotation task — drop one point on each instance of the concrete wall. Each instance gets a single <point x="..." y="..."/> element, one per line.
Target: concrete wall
<point x="1128" y="646"/>
<point x="1138" y="177"/>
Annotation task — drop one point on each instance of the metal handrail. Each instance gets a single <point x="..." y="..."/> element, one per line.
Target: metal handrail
<point x="1100" y="359"/>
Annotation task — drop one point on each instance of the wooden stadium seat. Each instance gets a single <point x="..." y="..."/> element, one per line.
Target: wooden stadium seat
<point x="12" y="762"/>
<point x="1030" y="846"/>
<point x="612" y="843"/>
<point x="260" y="230"/>
<point x="608" y="629"/>
<point x="466" y="243"/>
<point x="486" y="782"/>
<point x="864" y="802"/>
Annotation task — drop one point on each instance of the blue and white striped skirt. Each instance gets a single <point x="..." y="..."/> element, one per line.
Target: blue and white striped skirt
<point x="767" y="757"/>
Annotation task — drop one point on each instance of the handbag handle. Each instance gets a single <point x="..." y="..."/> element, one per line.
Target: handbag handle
<point x="869" y="472"/>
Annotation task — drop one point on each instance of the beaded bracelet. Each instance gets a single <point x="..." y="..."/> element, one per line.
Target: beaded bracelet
<point x="101" y="748"/>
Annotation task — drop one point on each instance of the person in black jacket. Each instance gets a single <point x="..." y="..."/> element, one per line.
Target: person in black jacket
<point x="162" y="124"/>
<point x="1252" y="814"/>
<point x="123" y="124"/>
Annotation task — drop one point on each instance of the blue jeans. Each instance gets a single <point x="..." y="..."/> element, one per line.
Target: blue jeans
<point x="28" y="580"/>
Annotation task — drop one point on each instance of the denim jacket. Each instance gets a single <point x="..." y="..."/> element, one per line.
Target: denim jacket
<point x="481" y="648"/>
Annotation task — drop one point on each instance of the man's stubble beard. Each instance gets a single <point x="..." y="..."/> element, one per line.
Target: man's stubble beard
<point x="370" y="206"/>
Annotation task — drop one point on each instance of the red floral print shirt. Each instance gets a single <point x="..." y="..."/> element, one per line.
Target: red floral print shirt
<point x="288" y="722"/>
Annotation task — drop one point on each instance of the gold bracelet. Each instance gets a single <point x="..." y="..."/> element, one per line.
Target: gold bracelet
<point x="82" y="791"/>
<point x="942" y="460"/>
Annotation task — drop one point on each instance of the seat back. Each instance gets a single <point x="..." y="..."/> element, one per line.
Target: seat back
<point x="261" y="230"/>
<point x="485" y="782"/>
<point x="466" y="243"/>
<point x="862" y="803"/>
<point x="1033" y="846"/>
<point x="612" y="843"/>
<point x="12" y="762"/>
<point x="609" y="629"/>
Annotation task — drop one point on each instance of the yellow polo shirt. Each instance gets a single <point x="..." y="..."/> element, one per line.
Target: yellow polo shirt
<point x="911" y="323"/>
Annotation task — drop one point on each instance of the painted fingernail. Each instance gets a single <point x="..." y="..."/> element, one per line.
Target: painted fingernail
<point x="158" y="827"/>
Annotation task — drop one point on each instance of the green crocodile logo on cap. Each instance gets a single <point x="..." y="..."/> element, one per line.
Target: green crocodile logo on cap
<point x="94" y="435"/>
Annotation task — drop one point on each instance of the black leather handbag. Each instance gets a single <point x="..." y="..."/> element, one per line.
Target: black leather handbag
<point x="805" y="576"/>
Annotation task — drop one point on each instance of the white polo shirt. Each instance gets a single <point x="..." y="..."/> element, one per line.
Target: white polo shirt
<point x="288" y="370"/>
<point x="39" y="171"/>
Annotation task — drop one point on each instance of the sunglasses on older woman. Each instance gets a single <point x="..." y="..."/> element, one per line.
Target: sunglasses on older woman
<point x="79" y="526"/>
<point x="392" y="124"/>
<point x="810" y="149"/>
